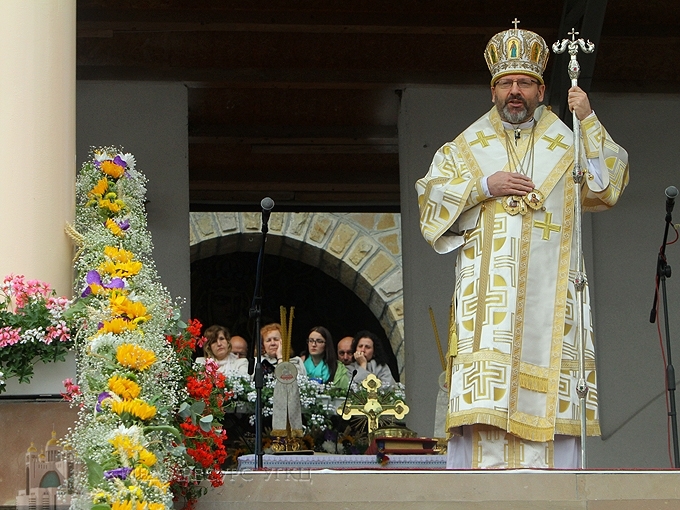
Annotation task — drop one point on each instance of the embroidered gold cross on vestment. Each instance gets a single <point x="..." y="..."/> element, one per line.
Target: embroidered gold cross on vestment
<point x="547" y="225"/>
<point x="483" y="139"/>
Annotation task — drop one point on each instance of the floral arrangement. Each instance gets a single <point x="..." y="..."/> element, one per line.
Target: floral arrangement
<point x="129" y="385"/>
<point x="316" y="399"/>
<point x="198" y="419"/>
<point x="33" y="327"/>
<point x="325" y="431"/>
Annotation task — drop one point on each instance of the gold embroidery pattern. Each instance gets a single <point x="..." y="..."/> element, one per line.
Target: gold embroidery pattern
<point x="484" y="380"/>
<point x="556" y="142"/>
<point x="483" y="139"/>
<point x="547" y="226"/>
<point x="488" y="218"/>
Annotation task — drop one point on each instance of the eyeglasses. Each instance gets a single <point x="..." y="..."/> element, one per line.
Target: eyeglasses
<point x="315" y="341"/>
<point x="523" y="83"/>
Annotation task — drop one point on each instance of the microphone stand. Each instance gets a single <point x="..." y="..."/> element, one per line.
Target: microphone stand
<point x="663" y="271"/>
<point x="256" y="313"/>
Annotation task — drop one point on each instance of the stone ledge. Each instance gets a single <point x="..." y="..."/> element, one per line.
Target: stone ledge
<point x="301" y="489"/>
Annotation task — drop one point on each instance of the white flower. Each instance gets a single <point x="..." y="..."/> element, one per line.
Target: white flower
<point x="329" y="446"/>
<point x="105" y="340"/>
<point x="129" y="160"/>
<point x="133" y="432"/>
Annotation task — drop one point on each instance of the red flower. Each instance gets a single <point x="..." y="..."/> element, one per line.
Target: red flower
<point x="194" y="327"/>
<point x="202" y="455"/>
<point x="216" y="478"/>
<point x="189" y="429"/>
<point x="199" y="389"/>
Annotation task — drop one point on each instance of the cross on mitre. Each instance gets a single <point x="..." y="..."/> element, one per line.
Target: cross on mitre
<point x="373" y="409"/>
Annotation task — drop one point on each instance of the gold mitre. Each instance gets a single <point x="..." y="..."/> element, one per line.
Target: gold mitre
<point x="516" y="51"/>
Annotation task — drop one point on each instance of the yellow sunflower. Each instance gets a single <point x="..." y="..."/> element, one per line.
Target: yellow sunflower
<point x="124" y="388"/>
<point x="117" y="326"/>
<point x="100" y="188"/>
<point x="125" y="445"/>
<point x="137" y="408"/>
<point x="135" y="357"/>
<point x="114" y="228"/>
<point x="112" y="169"/>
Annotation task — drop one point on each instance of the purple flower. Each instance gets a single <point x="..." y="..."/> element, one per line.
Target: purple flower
<point x="121" y="472"/>
<point x="124" y="225"/>
<point x="115" y="283"/>
<point x="120" y="161"/>
<point x="100" y="399"/>
<point x="93" y="278"/>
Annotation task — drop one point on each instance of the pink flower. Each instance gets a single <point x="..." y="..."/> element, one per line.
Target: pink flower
<point x="9" y="336"/>
<point x="21" y="291"/>
<point x="72" y="390"/>
<point x="211" y="367"/>
<point x="57" y="303"/>
<point x="60" y="332"/>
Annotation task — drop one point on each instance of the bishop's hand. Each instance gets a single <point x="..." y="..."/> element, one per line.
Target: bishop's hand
<point x="578" y="103"/>
<point x="503" y="184"/>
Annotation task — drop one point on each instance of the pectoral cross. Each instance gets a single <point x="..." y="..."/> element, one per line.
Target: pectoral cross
<point x="373" y="409"/>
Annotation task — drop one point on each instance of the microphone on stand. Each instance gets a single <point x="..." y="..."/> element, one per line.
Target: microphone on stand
<point x="671" y="193"/>
<point x="354" y="374"/>
<point x="267" y="205"/>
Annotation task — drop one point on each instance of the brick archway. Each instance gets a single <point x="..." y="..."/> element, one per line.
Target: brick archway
<point x="360" y="250"/>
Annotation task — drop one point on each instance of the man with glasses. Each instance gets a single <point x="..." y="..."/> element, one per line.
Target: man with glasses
<point x="502" y="195"/>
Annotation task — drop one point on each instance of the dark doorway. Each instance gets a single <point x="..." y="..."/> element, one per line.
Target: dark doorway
<point x="222" y="291"/>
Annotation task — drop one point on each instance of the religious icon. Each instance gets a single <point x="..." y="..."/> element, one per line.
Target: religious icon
<point x="534" y="199"/>
<point x="493" y="56"/>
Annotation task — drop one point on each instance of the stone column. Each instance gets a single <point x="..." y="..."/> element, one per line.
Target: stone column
<point x="37" y="139"/>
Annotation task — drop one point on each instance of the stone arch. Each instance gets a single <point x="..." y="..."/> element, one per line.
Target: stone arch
<point x="360" y="250"/>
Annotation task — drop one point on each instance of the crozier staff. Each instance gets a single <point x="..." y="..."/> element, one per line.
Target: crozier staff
<point x="502" y="195"/>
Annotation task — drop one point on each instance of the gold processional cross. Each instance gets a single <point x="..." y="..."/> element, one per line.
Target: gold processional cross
<point x="373" y="409"/>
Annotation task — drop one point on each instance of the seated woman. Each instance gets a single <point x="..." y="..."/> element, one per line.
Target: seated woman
<point x="218" y="347"/>
<point x="272" y="350"/>
<point x="369" y="358"/>
<point x="321" y="363"/>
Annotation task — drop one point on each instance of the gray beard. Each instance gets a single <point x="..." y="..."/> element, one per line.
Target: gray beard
<point x="514" y="118"/>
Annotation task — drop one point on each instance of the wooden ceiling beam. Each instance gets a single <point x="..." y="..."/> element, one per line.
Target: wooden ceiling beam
<point x="310" y="140"/>
<point x="320" y="16"/>
<point x="309" y="78"/>
<point x="357" y="187"/>
<point x="225" y="133"/>
<point x="214" y="200"/>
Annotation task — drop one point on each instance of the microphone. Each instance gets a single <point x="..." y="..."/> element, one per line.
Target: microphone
<point x="671" y="193"/>
<point x="267" y="205"/>
<point x="354" y="374"/>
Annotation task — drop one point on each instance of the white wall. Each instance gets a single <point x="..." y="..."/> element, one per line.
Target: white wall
<point x="621" y="249"/>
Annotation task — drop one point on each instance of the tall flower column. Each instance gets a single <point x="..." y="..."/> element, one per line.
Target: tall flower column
<point x="37" y="138"/>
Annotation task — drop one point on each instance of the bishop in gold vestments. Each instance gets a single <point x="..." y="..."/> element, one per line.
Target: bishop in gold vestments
<point x="513" y="356"/>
